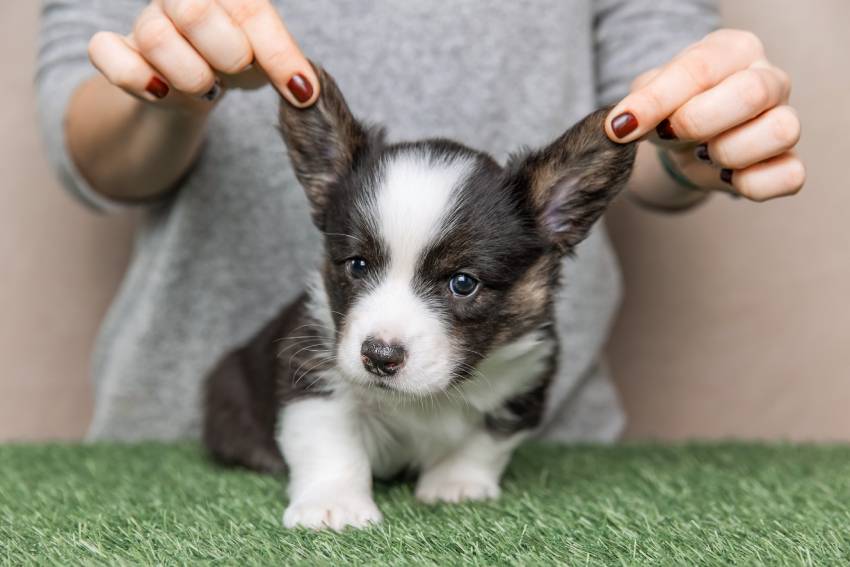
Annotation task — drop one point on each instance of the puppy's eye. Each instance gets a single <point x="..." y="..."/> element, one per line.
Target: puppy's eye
<point x="357" y="267"/>
<point x="463" y="285"/>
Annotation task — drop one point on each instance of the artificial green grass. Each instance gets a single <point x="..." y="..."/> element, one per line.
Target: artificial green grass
<point x="687" y="505"/>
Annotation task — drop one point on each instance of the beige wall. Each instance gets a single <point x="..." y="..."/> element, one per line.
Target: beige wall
<point x="736" y="320"/>
<point x="737" y="316"/>
<point x="59" y="264"/>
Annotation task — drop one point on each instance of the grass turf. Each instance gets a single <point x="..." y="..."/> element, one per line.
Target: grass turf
<point x="701" y="504"/>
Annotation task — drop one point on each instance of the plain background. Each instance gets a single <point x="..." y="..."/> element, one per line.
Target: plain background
<point x="736" y="321"/>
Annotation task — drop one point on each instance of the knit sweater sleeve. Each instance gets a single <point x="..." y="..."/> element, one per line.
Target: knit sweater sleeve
<point x="633" y="36"/>
<point x="63" y="65"/>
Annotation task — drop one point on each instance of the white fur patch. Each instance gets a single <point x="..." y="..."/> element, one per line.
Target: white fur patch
<point x="411" y="207"/>
<point x="507" y="370"/>
<point x="471" y="472"/>
<point x="330" y="480"/>
<point x="415" y="196"/>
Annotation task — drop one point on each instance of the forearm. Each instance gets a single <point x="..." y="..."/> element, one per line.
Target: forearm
<point x="652" y="186"/>
<point x="128" y="149"/>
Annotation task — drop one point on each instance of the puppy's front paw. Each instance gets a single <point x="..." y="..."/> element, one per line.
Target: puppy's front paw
<point x="335" y="510"/>
<point x="436" y="487"/>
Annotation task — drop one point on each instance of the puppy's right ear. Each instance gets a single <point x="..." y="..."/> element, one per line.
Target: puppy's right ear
<point x="324" y="142"/>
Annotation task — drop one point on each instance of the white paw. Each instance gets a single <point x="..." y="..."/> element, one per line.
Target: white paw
<point x="439" y="488"/>
<point x="336" y="512"/>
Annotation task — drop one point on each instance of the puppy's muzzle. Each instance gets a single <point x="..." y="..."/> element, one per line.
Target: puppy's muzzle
<point x="381" y="358"/>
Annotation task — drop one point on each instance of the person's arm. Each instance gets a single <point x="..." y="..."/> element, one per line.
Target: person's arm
<point x="126" y="149"/>
<point x="134" y="130"/>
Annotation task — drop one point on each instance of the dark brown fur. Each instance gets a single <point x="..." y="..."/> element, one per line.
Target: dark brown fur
<point x="248" y="386"/>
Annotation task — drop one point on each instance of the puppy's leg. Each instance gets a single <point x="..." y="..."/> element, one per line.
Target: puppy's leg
<point x="330" y="480"/>
<point x="238" y="427"/>
<point x="470" y="472"/>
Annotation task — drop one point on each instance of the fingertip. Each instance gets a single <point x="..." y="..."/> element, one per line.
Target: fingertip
<point x="157" y="88"/>
<point x="607" y="127"/>
<point x="302" y="87"/>
<point x="621" y="126"/>
<point x="313" y="78"/>
<point x="299" y="90"/>
<point x="665" y="131"/>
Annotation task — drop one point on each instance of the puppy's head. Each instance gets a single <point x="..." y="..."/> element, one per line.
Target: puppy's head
<point x="436" y="254"/>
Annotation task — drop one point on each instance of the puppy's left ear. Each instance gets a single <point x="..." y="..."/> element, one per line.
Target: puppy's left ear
<point x="325" y="142"/>
<point x="569" y="183"/>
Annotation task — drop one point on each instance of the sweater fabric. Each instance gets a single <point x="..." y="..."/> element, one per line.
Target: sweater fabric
<point x="218" y="258"/>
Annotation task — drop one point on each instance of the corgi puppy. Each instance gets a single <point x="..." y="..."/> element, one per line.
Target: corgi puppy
<point x="426" y="343"/>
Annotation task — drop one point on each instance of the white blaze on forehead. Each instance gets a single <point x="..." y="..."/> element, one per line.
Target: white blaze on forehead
<point x="411" y="207"/>
<point x="415" y="196"/>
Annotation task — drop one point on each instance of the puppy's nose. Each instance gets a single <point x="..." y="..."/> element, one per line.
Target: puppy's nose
<point x="380" y="358"/>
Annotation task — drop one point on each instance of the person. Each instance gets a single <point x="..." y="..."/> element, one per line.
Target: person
<point x="176" y="116"/>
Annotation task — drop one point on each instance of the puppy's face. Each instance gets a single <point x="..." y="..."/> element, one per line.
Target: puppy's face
<point x="435" y="254"/>
<point x="426" y="248"/>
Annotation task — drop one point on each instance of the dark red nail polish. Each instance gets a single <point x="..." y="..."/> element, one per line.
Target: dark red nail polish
<point x="624" y="124"/>
<point x="300" y="88"/>
<point x="157" y="87"/>
<point x="702" y="153"/>
<point x="212" y="94"/>
<point x="665" y="130"/>
<point x="726" y="175"/>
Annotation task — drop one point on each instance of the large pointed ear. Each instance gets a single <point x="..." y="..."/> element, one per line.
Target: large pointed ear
<point x="570" y="182"/>
<point x="324" y="141"/>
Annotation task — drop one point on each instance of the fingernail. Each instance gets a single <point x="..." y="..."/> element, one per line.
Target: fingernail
<point x="624" y="124"/>
<point x="213" y="93"/>
<point x="665" y="131"/>
<point x="702" y="153"/>
<point x="300" y="88"/>
<point x="157" y="87"/>
<point x="726" y="175"/>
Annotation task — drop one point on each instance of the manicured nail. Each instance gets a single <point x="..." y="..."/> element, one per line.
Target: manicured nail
<point x="213" y="93"/>
<point x="665" y="131"/>
<point x="624" y="124"/>
<point x="702" y="153"/>
<point x="726" y="175"/>
<point x="157" y="87"/>
<point x="300" y="88"/>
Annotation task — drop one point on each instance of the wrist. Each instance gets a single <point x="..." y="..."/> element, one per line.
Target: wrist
<point x="659" y="183"/>
<point x="673" y="171"/>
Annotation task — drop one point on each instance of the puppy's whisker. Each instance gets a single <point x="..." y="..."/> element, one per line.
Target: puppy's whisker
<point x="309" y="370"/>
<point x="357" y="238"/>
<point x="296" y="353"/>
<point x="314" y="364"/>
<point x="318" y="325"/>
<point x="298" y="344"/>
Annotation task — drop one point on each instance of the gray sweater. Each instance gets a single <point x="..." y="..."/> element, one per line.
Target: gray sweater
<point x="215" y="261"/>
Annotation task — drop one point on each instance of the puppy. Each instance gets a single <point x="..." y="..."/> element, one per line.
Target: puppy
<point x="427" y="341"/>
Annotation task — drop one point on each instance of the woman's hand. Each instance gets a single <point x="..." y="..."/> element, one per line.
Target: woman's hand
<point x="720" y="113"/>
<point x="181" y="52"/>
<point x="179" y="57"/>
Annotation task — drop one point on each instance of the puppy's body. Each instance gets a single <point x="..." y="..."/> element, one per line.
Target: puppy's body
<point x="427" y="343"/>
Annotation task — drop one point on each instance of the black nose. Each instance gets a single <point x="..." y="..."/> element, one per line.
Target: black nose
<point x="380" y="358"/>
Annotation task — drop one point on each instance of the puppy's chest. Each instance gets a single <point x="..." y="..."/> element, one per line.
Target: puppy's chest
<point x="417" y="435"/>
<point x="408" y="438"/>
